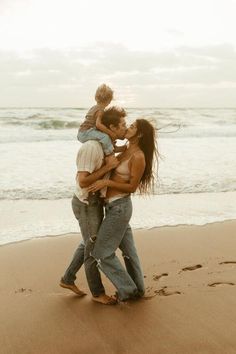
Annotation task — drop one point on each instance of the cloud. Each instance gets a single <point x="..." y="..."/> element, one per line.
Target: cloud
<point x="69" y="77"/>
<point x="174" y="32"/>
<point x="12" y="5"/>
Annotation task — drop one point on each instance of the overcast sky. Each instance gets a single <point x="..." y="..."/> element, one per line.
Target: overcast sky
<point x="154" y="53"/>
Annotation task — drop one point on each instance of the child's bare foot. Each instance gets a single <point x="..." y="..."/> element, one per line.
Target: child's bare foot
<point x="105" y="299"/>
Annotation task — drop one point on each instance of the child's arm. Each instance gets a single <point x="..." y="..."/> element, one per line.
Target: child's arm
<point x="102" y="127"/>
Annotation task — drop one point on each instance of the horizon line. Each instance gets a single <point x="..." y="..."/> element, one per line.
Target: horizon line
<point x="146" y="107"/>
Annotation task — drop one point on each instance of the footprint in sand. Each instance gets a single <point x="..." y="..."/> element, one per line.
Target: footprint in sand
<point x="194" y="267"/>
<point x="220" y="283"/>
<point x="161" y="292"/>
<point x="23" y="290"/>
<point x="164" y="292"/>
<point x="157" y="277"/>
<point x="148" y="289"/>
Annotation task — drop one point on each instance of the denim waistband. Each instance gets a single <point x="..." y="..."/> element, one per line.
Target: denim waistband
<point x="119" y="201"/>
<point x="115" y="197"/>
<point x="92" y="197"/>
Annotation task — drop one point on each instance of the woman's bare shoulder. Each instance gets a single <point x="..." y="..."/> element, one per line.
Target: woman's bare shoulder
<point x="138" y="156"/>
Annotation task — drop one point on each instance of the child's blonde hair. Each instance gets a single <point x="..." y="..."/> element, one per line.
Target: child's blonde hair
<point x="103" y="94"/>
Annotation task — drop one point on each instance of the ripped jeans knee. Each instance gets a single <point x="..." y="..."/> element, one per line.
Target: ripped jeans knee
<point x="92" y="239"/>
<point x="125" y="256"/>
<point x="97" y="260"/>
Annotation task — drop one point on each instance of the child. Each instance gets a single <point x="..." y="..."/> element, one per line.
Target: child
<point x="92" y="127"/>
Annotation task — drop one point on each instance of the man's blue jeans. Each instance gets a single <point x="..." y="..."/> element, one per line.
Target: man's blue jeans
<point x="115" y="232"/>
<point x="89" y="217"/>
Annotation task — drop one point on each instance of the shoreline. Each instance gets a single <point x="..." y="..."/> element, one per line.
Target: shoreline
<point x="26" y="219"/>
<point x="134" y="230"/>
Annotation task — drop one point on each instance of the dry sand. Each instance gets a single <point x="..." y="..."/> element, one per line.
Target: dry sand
<point x="190" y="272"/>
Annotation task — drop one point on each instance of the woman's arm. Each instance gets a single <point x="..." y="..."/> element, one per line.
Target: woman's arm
<point x="136" y="171"/>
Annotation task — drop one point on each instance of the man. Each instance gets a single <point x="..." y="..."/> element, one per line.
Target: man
<point x="88" y="209"/>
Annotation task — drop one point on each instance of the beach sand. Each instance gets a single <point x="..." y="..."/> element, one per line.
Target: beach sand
<point x="190" y="275"/>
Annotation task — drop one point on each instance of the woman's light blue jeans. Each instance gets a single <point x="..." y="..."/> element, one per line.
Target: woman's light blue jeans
<point x="115" y="232"/>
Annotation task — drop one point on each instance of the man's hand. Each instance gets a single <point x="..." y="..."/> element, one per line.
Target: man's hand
<point x="85" y="178"/>
<point x="101" y="183"/>
<point x="111" y="162"/>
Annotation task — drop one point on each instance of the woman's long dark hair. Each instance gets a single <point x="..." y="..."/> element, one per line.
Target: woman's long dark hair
<point x="147" y="143"/>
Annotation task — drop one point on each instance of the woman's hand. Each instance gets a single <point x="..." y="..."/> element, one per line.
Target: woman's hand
<point x="99" y="184"/>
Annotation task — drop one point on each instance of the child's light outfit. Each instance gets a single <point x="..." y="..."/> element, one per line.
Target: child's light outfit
<point x="88" y="131"/>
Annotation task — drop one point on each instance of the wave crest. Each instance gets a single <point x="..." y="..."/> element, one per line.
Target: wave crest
<point x="58" y="124"/>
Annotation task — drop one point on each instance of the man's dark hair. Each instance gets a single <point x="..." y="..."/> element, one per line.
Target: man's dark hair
<point x="112" y="116"/>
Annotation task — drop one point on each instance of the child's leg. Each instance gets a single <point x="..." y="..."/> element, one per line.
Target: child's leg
<point x="94" y="134"/>
<point x="82" y="136"/>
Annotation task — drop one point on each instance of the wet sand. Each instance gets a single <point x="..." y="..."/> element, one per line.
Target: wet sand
<point x="190" y="276"/>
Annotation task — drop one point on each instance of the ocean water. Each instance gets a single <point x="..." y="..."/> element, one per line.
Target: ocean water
<point x="38" y="148"/>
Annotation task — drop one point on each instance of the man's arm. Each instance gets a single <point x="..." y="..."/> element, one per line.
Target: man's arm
<point x="85" y="178"/>
<point x="136" y="172"/>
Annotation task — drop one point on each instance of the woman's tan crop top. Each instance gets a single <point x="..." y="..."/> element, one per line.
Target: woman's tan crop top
<point x="122" y="170"/>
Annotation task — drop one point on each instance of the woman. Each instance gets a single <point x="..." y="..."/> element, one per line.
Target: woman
<point x="134" y="171"/>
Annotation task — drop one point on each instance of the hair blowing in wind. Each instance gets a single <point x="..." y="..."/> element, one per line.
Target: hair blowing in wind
<point x="147" y="143"/>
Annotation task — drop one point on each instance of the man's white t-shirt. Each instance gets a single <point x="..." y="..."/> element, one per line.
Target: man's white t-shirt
<point x="89" y="159"/>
